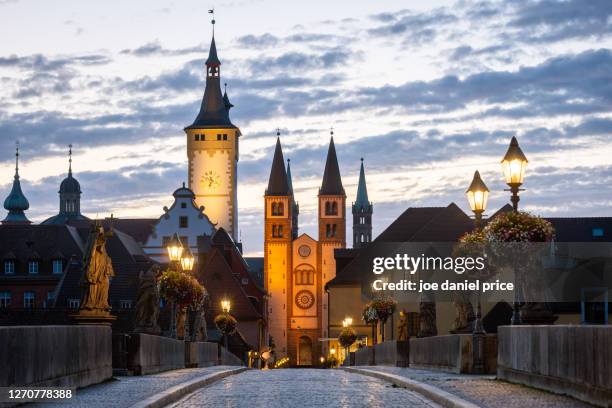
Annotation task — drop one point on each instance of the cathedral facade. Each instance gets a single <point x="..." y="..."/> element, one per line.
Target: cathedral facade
<point x="297" y="267"/>
<point x="212" y="151"/>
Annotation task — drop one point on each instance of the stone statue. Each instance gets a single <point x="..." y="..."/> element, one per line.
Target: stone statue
<point x="199" y="330"/>
<point x="464" y="313"/>
<point x="402" y="327"/>
<point x="427" y="319"/>
<point x="98" y="270"/>
<point x="147" y="303"/>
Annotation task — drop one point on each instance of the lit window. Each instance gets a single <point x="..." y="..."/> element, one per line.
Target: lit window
<point x="9" y="267"/>
<point x="28" y="300"/>
<point x="5" y="299"/>
<point x="33" y="267"/>
<point x="57" y="266"/>
<point x="183" y="222"/>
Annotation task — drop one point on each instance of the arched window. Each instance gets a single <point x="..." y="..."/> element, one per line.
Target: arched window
<point x="280" y="231"/>
<point x="304" y="275"/>
<point x="327" y="208"/>
<point x="334" y="208"/>
<point x="274" y="208"/>
<point x="361" y="238"/>
<point x="274" y="234"/>
<point x="280" y="209"/>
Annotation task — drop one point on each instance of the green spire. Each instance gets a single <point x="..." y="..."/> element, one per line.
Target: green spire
<point x="16" y="202"/>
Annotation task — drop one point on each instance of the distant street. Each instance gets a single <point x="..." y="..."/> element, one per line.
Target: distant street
<point x="302" y="388"/>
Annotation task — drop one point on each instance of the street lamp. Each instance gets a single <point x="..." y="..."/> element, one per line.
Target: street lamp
<point x="175" y="248"/>
<point x="226" y="306"/>
<point x="514" y="164"/>
<point x="478" y="194"/>
<point x="187" y="260"/>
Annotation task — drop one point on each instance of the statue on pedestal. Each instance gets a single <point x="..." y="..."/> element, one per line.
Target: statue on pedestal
<point x="95" y="281"/>
<point x="147" y="303"/>
<point x="402" y="327"/>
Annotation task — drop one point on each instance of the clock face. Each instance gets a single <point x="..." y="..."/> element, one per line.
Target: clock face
<point x="304" y="299"/>
<point x="210" y="180"/>
<point x="304" y="251"/>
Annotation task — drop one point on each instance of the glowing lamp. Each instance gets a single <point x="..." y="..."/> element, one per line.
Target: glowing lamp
<point x="514" y="164"/>
<point x="477" y="194"/>
<point x="226" y="306"/>
<point x="187" y="260"/>
<point x="175" y="248"/>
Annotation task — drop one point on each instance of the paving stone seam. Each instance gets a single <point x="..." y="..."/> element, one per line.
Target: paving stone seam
<point x="175" y="393"/>
<point x="435" y="394"/>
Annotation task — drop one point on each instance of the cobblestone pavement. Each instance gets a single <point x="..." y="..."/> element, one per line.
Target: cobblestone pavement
<point x="485" y="390"/>
<point x="126" y="391"/>
<point x="302" y="388"/>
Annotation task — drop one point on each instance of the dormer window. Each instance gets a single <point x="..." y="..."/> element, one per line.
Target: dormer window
<point x="33" y="267"/>
<point x="58" y="266"/>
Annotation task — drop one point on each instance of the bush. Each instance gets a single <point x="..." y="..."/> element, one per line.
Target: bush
<point x="182" y="289"/>
<point x="347" y="337"/>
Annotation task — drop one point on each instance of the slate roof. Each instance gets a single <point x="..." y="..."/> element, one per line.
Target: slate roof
<point x="332" y="182"/>
<point x="361" y="201"/>
<point x="213" y="110"/>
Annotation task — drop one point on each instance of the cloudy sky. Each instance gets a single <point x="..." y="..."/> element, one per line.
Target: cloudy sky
<point x="426" y="92"/>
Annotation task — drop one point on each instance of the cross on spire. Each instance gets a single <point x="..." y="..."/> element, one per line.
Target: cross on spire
<point x="17" y="159"/>
<point x="277" y="131"/>
<point x="212" y="11"/>
<point x="70" y="159"/>
<point x="331" y="130"/>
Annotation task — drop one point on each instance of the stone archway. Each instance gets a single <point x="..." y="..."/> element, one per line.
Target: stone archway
<point x="304" y="351"/>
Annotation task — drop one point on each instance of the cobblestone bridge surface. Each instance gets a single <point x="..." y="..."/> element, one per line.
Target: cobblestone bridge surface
<point x="302" y="388"/>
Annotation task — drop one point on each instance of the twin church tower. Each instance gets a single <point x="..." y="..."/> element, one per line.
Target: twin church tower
<point x="296" y="267"/>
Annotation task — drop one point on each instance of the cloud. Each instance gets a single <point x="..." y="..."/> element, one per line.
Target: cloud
<point x="412" y="28"/>
<point x="155" y="48"/>
<point x="553" y="20"/>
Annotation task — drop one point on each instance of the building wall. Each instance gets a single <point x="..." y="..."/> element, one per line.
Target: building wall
<point x="213" y="174"/>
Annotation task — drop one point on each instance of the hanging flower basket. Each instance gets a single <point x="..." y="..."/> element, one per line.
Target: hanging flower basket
<point x="226" y="323"/>
<point x="181" y="289"/>
<point x="385" y="306"/>
<point x="369" y="314"/>
<point x="347" y="337"/>
<point x="518" y="227"/>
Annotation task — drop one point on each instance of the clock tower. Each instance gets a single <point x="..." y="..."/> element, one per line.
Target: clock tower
<point x="212" y="150"/>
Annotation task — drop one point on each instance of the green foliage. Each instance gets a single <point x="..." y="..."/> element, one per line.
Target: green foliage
<point x="347" y="337"/>
<point x="226" y="323"/>
<point x="182" y="289"/>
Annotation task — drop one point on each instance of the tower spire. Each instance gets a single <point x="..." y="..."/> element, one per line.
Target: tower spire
<point x="332" y="182"/>
<point x="16" y="202"/>
<point x="362" y="190"/>
<point x="278" y="183"/>
<point x="362" y="213"/>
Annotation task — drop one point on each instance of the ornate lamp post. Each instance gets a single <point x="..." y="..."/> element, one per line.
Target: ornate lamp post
<point x="175" y="250"/>
<point x="226" y="306"/>
<point x="514" y="164"/>
<point x="478" y="194"/>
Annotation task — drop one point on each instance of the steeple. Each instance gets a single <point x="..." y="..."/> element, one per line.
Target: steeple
<point x="213" y="110"/>
<point x="362" y="213"/>
<point x="16" y="203"/>
<point x="332" y="183"/>
<point x="289" y="178"/>
<point x="278" y="184"/>
<point x="362" y="190"/>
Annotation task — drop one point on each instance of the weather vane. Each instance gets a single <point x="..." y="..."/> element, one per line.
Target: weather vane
<point x="331" y="130"/>
<point x="212" y="11"/>
<point x="70" y="157"/>
<point x="277" y="131"/>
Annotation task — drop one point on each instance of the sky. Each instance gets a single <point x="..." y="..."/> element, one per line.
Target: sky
<point x="426" y="92"/>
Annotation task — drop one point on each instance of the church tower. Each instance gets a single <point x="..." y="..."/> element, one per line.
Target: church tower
<point x="332" y="228"/>
<point x="212" y="150"/>
<point x="362" y="213"/>
<point x="278" y="249"/>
